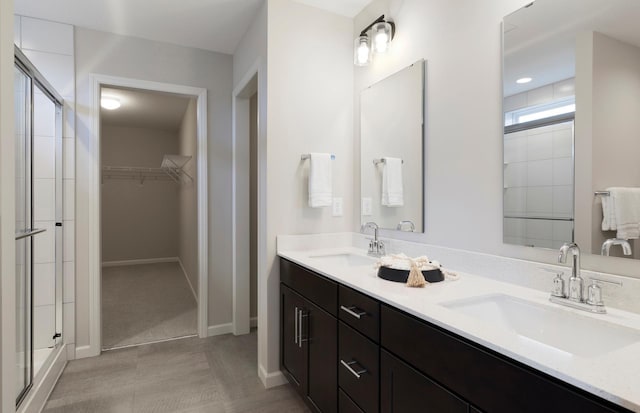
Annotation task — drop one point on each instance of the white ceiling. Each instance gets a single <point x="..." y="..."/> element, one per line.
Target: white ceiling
<point x="216" y="25"/>
<point x="540" y="40"/>
<point x="145" y="109"/>
<point x="348" y="8"/>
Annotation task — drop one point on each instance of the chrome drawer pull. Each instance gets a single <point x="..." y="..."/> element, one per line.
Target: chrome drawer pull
<point x="295" y="322"/>
<point x="354" y="311"/>
<point x="348" y="367"/>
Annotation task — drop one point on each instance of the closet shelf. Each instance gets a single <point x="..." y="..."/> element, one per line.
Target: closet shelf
<point x="171" y="169"/>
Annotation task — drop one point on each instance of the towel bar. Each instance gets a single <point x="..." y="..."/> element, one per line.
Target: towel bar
<point x="602" y="193"/>
<point x="382" y="160"/>
<point x="306" y="156"/>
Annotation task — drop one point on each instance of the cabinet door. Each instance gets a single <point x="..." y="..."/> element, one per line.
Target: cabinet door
<point x="293" y="356"/>
<point x="320" y="337"/>
<point x="405" y="390"/>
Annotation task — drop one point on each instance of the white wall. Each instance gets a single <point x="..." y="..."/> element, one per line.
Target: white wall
<point x="310" y="100"/>
<point x="109" y="54"/>
<point x="139" y="221"/>
<point x="188" y="198"/>
<point x="7" y="213"/>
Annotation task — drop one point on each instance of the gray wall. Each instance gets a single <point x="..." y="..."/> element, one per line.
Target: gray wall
<point x="110" y="54"/>
<point x="188" y="198"/>
<point x="138" y="221"/>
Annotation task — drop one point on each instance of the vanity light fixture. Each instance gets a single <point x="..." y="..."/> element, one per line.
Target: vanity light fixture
<point x="523" y="80"/>
<point x="382" y="33"/>
<point x="110" y="103"/>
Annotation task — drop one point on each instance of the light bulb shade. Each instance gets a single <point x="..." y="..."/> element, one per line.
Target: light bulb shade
<point x="109" y="103"/>
<point x="381" y="34"/>
<point x="361" y="51"/>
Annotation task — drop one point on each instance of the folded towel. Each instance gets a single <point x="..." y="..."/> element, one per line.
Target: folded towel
<point x="320" y="181"/>
<point x="392" y="195"/>
<point x="608" y="214"/>
<point x="623" y="208"/>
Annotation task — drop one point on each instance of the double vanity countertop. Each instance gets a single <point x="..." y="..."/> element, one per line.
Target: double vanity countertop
<point x="606" y="365"/>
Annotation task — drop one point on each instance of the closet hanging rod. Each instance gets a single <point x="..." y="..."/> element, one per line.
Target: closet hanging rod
<point x="306" y="156"/>
<point x="383" y="161"/>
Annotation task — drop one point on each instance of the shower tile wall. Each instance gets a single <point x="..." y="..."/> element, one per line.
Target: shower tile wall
<point x="50" y="47"/>
<point x="538" y="174"/>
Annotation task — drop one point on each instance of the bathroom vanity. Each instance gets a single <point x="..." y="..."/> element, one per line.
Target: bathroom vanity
<point x="350" y="344"/>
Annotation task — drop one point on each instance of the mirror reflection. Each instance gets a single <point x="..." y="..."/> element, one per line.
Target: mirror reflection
<point x="571" y="137"/>
<point x="391" y="158"/>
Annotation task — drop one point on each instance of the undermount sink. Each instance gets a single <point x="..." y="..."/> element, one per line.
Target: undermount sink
<point x="555" y="327"/>
<point x="344" y="259"/>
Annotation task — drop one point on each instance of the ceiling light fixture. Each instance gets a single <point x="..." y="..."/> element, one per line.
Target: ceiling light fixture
<point x="110" y="103"/>
<point x="523" y="80"/>
<point x="382" y="33"/>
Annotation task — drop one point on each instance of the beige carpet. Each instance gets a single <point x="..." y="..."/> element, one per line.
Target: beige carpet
<point x="146" y="303"/>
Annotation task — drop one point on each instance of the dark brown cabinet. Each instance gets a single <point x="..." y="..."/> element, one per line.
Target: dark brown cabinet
<point x="405" y="390"/>
<point x="380" y="359"/>
<point x="309" y="349"/>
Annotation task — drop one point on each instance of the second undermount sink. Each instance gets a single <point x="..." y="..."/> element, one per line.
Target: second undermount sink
<point x="344" y="259"/>
<point x="555" y="327"/>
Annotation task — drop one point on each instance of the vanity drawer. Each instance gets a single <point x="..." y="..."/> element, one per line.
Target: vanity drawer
<point x="360" y="312"/>
<point x="487" y="380"/>
<point x="358" y="368"/>
<point x="322" y="291"/>
<point x="346" y="405"/>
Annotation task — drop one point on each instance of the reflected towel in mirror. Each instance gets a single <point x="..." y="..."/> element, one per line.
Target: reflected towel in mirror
<point x="392" y="192"/>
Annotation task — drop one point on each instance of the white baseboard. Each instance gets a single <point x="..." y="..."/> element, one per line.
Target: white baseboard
<point x="71" y="351"/>
<point x="193" y="290"/>
<point x="139" y="262"/>
<point x="270" y="380"/>
<point x="86" y="351"/>
<point x="40" y="392"/>
<point x="220" y="329"/>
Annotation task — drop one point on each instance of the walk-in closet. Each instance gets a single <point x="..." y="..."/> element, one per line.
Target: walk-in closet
<point x="148" y="216"/>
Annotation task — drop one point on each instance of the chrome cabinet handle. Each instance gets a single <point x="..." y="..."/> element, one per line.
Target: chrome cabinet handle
<point x="353" y="311"/>
<point x="295" y="322"/>
<point x="300" y="329"/>
<point x="348" y="365"/>
<point x="29" y="233"/>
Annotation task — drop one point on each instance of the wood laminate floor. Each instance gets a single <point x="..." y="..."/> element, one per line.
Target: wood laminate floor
<point x="213" y="375"/>
<point x="146" y="303"/>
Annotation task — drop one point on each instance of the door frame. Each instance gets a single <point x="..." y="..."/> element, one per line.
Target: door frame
<point x="95" y="262"/>
<point x="241" y="231"/>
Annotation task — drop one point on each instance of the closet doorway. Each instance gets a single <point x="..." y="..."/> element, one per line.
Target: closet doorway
<point x="149" y="216"/>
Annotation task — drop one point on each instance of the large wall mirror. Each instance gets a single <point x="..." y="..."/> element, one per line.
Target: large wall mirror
<point x="572" y="125"/>
<point x="392" y="151"/>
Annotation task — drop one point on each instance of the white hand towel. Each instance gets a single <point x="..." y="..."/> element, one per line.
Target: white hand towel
<point x="626" y="206"/>
<point x="392" y="193"/>
<point x="320" y="181"/>
<point x="608" y="213"/>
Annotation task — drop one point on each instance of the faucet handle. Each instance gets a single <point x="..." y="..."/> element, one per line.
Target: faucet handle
<point x="558" y="282"/>
<point x="594" y="291"/>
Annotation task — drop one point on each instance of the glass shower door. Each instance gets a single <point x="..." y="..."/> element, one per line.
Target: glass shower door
<point x="24" y="355"/>
<point x="38" y="224"/>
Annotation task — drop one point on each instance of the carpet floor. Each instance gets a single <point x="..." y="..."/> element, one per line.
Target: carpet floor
<point x="146" y="303"/>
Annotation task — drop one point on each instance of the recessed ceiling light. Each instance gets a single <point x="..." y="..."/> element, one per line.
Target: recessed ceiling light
<point x="523" y="80"/>
<point x="110" y="103"/>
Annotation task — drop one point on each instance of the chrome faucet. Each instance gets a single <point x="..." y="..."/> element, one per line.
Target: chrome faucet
<point x="376" y="246"/>
<point x="575" y="282"/>
<point x="606" y="246"/>
<point x="402" y="224"/>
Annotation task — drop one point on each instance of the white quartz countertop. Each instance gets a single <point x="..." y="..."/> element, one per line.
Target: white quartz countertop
<point x="614" y="376"/>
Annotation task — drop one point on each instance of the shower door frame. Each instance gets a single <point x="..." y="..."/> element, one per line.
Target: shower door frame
<point x="37" y="80"/>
